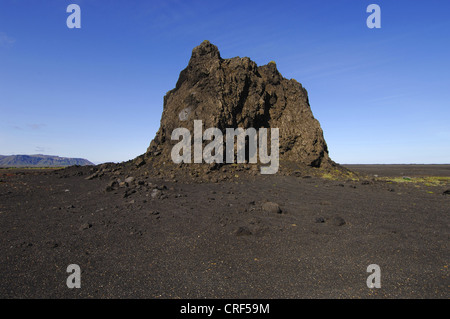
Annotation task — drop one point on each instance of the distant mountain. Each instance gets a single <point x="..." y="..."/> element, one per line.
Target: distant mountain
<point x="40" y="160"/>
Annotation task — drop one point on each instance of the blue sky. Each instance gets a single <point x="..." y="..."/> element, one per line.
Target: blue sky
<point x="381" y="95"/>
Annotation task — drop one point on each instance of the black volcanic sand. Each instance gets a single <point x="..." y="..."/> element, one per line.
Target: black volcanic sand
<point x="213" y="240"/>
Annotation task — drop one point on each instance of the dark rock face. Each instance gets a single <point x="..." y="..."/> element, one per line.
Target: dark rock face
<point x="232" y="93"/>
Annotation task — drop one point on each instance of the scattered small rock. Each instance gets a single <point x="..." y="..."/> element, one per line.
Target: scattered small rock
<point x="85" y="226"/>
<point x="123" y="184"/>
<point x="52" y="244"/>
<point x="297" y="173"/>
<point x="320" y="220"/>
<point x="111" y="186"/>
<point x="129" y="180"/>
<point x="156" y="193"/>
<point x="92" y="176"/>
<point x="338" y="221"/>
<point x="139" y="161"/>
<point x="243" y="231"/>
<point x="128" y="192"/>
<point x="271" y="207"/>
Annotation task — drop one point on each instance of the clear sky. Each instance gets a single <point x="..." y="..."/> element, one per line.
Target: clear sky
<point x="381" y="95"/>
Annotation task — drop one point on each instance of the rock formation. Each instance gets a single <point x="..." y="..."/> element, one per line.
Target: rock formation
<point x="232" y="93"/>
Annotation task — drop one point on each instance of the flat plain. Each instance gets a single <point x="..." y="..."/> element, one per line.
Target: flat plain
<point x="158" y="238"/>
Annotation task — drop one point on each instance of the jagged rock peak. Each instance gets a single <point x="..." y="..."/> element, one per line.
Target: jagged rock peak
<point x="205" y="49"/>
<point x="235" y="92"/>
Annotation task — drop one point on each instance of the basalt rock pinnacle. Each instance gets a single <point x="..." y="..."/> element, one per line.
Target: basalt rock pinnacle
<point x="235" y="92"/>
